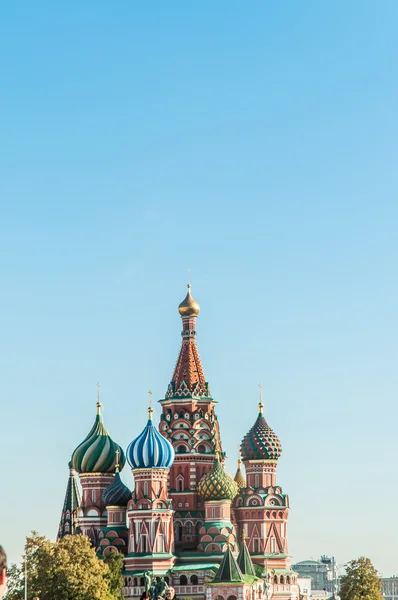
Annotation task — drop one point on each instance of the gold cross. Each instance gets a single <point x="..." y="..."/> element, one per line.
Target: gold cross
<point x="98" y="399"/>
<point x="150" y="409"/>
<point x="260" y="404"/>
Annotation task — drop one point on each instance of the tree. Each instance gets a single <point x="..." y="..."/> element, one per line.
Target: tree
<point x="66" y="570"/>
<point x="361" y="581"/>
<point x="114" y="562"/>
<point x="14" y="583"/>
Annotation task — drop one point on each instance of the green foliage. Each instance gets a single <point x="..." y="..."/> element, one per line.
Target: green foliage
<point x="15" y="583"/>
<point x="66" y="570"/>
<point x="361" y="582"/>
<point x="114" y="562"/>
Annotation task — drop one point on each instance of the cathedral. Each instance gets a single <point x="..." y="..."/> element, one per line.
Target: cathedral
<point x="186" y="521"/>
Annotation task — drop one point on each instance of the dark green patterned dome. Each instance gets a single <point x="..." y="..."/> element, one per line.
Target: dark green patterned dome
<point x="116" y="494"/>
<point x="260" y="442"/>
<point x="217" y="485"/>
<point x="98" y="452"/>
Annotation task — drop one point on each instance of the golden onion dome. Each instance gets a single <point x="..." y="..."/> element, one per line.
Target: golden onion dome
<point x="189" y="307"/>
<point x="239" y="477"/>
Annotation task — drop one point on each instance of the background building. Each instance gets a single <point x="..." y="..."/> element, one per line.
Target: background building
<point x="323" y="574"/>
<point x="390" y="587"/>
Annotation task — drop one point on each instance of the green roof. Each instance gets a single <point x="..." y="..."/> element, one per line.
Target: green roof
<point x="195" y="567"/>
<point x="245" y="562"/>
<point x="229" y="570"/>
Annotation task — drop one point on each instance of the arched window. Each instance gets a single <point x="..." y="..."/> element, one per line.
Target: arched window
<point x="142" y="581"/>
<point x="282" y="579"/>
<point x="232" y="598"/>
<point x="180" y="483"/>
<point x="275" y="579"/>
<point x="194" y="580"/>
<point x="183" y="580"/>
<point x="202" y="449"/>
<point x="181" y="450"/>
<point x="135" y="581"/>
<point x="288" y="579"/>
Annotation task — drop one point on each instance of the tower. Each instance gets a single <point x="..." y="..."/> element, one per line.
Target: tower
<point x="218" y="490"/>
<point x="261" y="509"/>
<point x="150" y="516"/>
<point x="189" y="422"/>
<point x="95" y="460"/>
<point x="114" y="538"/>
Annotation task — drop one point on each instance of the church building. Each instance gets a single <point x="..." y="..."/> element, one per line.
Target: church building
<point x="185" y="521"/>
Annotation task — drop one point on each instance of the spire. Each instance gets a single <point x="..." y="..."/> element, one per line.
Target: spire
<point x="150" y="409"/>
<point x="188" y="378"/>
<point x="239" y="477"/>
<point x="260" y="404"/>
<point x="229" y="570"/>
<point x="99" y="405"/>
<point x="244" y="559"/>
<point x="68" y="523"/>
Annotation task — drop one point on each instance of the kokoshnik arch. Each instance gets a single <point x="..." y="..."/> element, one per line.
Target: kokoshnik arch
<point x="186" y="520"/>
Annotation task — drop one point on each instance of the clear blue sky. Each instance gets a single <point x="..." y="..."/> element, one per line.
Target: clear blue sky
<point x="254" y="142"/>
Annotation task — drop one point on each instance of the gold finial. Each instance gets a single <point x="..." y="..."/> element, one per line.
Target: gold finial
<point x="260" y="404"/>
<point x="150" y="409"/>
<point x="117" y="461"/>
<point x="99" y="405"/>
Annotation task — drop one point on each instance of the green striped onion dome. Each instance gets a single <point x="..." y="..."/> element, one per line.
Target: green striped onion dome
<point x="260" y="442"/>
<point x="98" y="453"/>
<point x="217" y="485"/>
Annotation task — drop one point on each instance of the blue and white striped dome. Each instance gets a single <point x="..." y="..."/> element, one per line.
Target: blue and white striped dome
<point x="150" y="449"/>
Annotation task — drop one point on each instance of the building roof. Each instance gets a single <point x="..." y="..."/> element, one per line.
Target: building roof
<point x="116" y="494"/>
<point x="229" y="571"/>
<point x="260" y="442"/>
<point x="68" y="523"/>
<point x="239" y="477"/>
<point x="217" y="484"/>
<point x="98" y="453"/>
<point x="150" y="449"/>
<point x="244" y="561"/>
